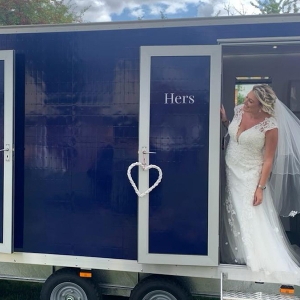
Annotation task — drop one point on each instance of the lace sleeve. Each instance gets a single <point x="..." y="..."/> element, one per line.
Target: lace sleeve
<point x="268" y="124"/>
<point x="238" y="111"/>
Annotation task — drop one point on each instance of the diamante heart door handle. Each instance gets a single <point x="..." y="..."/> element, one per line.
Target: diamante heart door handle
<point x="145" y="168"/>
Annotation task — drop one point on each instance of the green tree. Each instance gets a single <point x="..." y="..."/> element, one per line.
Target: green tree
<point x="232" y="10"/>
<point x="240" y="94"/>
<point x="24" y="12"/>
<point x="163" y="16"/>
<point x="276" y="6"/>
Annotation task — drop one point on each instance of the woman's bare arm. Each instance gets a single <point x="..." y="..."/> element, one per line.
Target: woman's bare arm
<point x="270" y="149"/>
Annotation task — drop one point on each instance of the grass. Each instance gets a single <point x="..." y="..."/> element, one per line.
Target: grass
<point x="15" y="290"/>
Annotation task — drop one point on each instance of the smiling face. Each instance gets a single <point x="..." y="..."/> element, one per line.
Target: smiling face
<point x="251" y="103"/>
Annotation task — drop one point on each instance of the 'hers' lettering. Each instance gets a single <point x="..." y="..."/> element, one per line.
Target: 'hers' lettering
<point x="171" y="98"/>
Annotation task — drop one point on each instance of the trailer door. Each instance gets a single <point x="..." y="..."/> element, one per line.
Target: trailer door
<point x="6" y="148"/>
<point x="180" y="89"/>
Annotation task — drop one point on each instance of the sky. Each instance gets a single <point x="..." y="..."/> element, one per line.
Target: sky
<point x="126" y="10"/>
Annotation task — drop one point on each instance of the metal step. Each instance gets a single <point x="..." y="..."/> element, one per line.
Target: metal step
<point x="234" y="295"/>
<point x="238" y="295"/>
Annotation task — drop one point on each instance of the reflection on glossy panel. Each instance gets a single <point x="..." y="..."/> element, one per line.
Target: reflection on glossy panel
<point x="80" y="136"/>
<point x="179" y="112"/>
<point x="77" y="104"/>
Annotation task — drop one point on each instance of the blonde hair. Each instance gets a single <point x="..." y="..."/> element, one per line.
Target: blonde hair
<point x="266" y="96"/>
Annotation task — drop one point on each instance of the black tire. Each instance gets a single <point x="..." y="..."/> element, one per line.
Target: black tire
<point x="67" y="283"/>
<point x="159" y="287"/>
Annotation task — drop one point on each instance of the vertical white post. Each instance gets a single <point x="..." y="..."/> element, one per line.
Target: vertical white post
<point x="8" y="126"/>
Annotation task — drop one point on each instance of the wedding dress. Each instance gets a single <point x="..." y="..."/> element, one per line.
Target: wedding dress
<point x="254" y="234"/>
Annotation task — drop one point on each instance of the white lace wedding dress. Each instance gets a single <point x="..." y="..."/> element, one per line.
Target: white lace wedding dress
<point x="254" y="235"/>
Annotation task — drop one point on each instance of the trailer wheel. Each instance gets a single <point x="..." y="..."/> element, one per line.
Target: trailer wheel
<point x="159" y="288"/>
<point x="65" y="284"/>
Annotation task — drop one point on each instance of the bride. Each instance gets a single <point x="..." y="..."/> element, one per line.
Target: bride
<point x="256" y="172"/>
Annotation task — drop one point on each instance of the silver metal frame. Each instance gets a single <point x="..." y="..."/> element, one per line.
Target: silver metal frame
<point x="260" y="41"/>
<point x="183" y="22"/>
<point x="214" y="52"/>
<point x="232" y="272"/>
<point x="8" y="57"/>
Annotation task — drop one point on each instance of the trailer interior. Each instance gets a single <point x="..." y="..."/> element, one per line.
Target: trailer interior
<point x="273" y="63"/>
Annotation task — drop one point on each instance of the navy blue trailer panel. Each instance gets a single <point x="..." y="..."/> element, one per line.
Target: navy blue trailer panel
<point x="179" y="134"/>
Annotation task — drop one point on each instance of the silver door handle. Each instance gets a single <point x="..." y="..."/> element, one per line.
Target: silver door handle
<point x="144" y="152"/>
<point x="7" y="155"/>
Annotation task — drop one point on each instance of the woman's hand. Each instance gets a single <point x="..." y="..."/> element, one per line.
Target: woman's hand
<point x="258" y="197"/>
<point x="224" y="117"/>
<point x="223" y="114"/>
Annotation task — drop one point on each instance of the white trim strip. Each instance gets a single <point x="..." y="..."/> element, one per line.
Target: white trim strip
<point x="214" y="152"/>
<point x="144" y="130"/>
<point x="8" y="57"/>
<point x="184" y="22"/>
<point x="260" y="41"/>
<point x="239" y="273"/>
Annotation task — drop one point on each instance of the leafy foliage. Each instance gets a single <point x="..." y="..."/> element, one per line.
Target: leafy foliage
<point x="24" y="12"/>
<point x="276" y="6"/>
<point x="163" y="16"/>
<point x="240" y="94"/>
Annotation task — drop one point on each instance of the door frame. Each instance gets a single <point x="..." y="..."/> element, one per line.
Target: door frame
<point x="8" y="57"/>
<point x="262" y="41"/>
<point x="214" y="52"/>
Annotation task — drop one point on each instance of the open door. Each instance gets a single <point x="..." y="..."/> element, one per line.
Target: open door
<point x="6" y="149"/>
<point x="180" y="92"/>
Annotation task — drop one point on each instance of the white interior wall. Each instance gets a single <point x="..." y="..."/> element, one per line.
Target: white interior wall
<point x="280" y="68"/>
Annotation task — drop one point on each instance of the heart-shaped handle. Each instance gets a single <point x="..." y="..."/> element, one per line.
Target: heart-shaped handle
<point x="157" y="182"/>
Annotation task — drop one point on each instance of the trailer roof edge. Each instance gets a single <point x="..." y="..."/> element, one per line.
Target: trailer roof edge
<point x="186" y="22"/>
